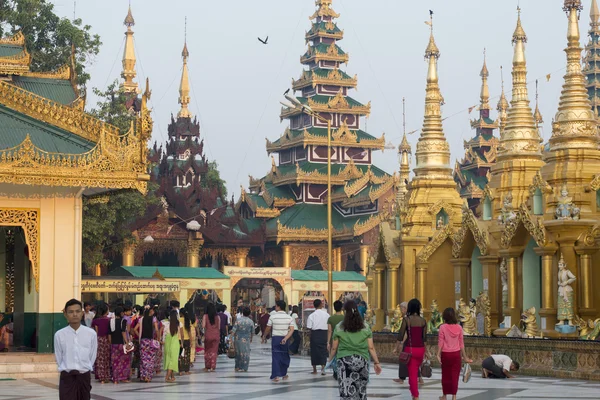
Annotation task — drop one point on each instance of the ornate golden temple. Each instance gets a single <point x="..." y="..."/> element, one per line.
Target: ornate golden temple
<point x="536" y="204"/>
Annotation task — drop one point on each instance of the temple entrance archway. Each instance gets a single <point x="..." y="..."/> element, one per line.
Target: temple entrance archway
<point x="532" y="279"/>
<point x="257" y="293"/>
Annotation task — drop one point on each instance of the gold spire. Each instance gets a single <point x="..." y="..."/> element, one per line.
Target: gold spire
<point x="129" y="73"/>
<point x="502" y="106"/>
<point x="520" y="137"/>
<point x="404" y="145"/>
<point x="575" y="122"/>
<point x="184" y="84"/>
<point x="594" y="14"/>
<point x="485" y="90"/>
<point x="433" y="151"/>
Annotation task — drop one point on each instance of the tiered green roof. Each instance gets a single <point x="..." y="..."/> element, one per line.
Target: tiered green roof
<point x="324" y="89"/>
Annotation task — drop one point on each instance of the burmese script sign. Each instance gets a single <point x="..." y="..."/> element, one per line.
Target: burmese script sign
<point x="257" y="273"/>
<point x="128" y="286"/>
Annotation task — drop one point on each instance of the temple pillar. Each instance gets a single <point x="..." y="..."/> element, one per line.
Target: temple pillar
<point x="379" y="295"/>
<point x="241" y="255"/>
<point x="461" y="277"/>
<point x="3" y="270"/>
<point x="512" y="314"/>
<point x="193" y="253"/>
<point x="364" y="259"/>
<point x="585" y="282"/>
<point x="422" y="281"/>
<point x="549" y="289"/>
<point x="287" y="256"/>
<point x="392" y="289"/>
<point x="491" y="285"/>
<point x="338" y="259"/>
<point x="129" y="254"/>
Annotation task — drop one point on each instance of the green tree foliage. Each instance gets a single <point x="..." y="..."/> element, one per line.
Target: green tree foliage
<point x="49" y="37"/>
<point x="213" y="178"/>
<point x="106" y="226"/>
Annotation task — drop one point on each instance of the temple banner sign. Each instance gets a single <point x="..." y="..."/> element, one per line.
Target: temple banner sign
<point x="258" y="273"/>
<point x="128" y="286"/>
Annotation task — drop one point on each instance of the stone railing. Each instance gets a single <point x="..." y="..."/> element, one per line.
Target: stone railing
<point x="566" y="359"/>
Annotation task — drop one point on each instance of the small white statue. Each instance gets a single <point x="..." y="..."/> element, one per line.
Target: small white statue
<point x="440" y="223"/>
<point x="565" y="293"/>
<point x="565" y="208"/>
<point x="507" y="212"/>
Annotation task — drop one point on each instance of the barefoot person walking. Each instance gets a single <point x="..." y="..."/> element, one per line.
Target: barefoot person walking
<point x="451" y="353"/>
<point x="75" y="349"/>
<point x="317" y="323"/>
<point x="282" y="327"/>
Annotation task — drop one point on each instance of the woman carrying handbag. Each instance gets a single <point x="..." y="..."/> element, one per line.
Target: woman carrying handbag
<point x="413" y="331"/>
<point x="451" y="351"/>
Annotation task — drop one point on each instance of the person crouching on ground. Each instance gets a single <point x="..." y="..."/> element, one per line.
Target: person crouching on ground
<point x="75" y="349"/>
<point x="352" y="345"/>
<point x="498" y="366"/>
<point x="282" y="327"/>
<point x="451" y="353"/>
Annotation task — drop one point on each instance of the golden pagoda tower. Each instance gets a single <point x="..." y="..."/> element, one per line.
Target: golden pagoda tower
<point x="592" y="58"/>
<point x="433" y="205"/>
<point x="128" y="74"/>
<point x="572" y="164"/>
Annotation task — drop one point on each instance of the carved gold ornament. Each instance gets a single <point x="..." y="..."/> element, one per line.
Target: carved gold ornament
<point x="29" y="220"/>
<point x="333" y="78"/>
<point x="438" y="239"/>
<point x="534" y="226"/>
<point x="469" y="223"/>
<point x="305" y="139"/>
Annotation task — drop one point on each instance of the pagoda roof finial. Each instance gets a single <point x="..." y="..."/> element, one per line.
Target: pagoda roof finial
<point x="432" y="136"/>
<point x="520" y="137"/>
<point x="129" y="73"/>
<point x="594" y="13"/>
<point x="404" y="145"/>
<point x="575" y="121"/>
<point x="324" y="10"/>
<point x="485" y="90"/>
<point x="184" y="84"/>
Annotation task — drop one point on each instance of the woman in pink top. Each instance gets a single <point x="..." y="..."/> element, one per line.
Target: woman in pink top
<point x="451" y="350"/>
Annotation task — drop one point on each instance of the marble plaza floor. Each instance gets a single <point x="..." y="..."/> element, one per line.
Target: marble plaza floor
<point x="225" y="384"/>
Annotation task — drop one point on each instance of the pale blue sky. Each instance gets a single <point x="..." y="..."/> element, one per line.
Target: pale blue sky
<point x="238" y="82"/>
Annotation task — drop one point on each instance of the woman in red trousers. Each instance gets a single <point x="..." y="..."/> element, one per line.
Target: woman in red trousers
<point x="413" y="331"/>
<point x="451" y="353"/>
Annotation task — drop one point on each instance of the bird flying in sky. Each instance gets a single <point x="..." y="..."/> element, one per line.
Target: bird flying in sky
<point x="263" y="41"/>
<point x="286" y="92"/>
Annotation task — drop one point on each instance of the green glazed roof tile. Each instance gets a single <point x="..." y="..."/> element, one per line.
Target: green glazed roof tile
<point x="344" y="276"/>
<point x="168" y="272"/>
<point x="58" y="90"/>
<point x="14" y="128"/>
<point x="7" y="50"/>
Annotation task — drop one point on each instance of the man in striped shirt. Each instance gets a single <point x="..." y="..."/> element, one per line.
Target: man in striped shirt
<point x="282" y="327"/>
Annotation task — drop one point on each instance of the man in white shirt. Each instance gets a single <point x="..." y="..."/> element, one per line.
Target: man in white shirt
<point x="75" y="349"/>
<point x="498" y="366"/>
<point x="317" y="323"/>
<point x="282" y="326"/>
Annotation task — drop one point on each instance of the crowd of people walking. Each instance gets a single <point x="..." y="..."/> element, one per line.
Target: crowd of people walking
<point x="143" y="341"/>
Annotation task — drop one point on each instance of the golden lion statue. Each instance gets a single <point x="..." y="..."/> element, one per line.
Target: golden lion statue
<point x="529" y="323"/>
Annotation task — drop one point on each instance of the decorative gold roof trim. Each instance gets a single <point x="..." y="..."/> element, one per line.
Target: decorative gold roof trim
<point x="64" y="72"/>
<point x="316" y="177"/>
<point x="595" y="184"/>
<point x="539" y="183"/>
<point x="262" y="212"/>
<point x="332" y="54"/>
<point x="306" y="139"/>
<point x="438" y="239"/>
<point x="324" y="10"/>
<point x="267" y="197"/>
<point x="281" y="203"/>
<point x="469" y="223"/>
<point x="317" y="107"/>
<point x="115" y="162"/>
<point x="334" y="78"/>
<point x="54" y="113"/>
<point x="534" y="226"/>
<point x="437" y="207"/>
<point x="480" y="123"/>
<point x="391" y="182"/>
<point x="29" y="220"/>
<point x="323" y="34"/>
<point x="488" y="192"/>
<point x="350" y="189"/>
<point x="374" y="220"/>
<point x="18" y="39"/>
<point x="244" y="198"/>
